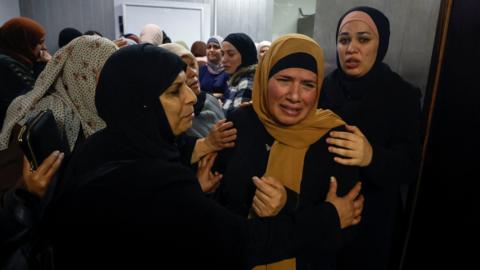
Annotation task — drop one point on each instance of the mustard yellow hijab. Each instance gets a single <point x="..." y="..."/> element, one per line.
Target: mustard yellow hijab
<point x="287" y="154"/>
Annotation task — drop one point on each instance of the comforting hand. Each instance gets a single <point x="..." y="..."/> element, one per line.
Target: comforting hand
<point x="37" y="180"/>
<point x="349" y="207"/>
<point x="208" y="181"/>
<point x="352" y="146"/>
<point x="222" y="135"/>
<point x="270" y="196"/>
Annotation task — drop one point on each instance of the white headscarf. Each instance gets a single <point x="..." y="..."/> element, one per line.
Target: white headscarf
<point x="67" y="87"/>
<point x="151" y="33"/>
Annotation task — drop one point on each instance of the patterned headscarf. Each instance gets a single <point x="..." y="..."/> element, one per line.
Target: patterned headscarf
<point x="67" y="87"/>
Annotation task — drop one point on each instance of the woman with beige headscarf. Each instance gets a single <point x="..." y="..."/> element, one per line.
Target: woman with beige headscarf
<point x="281" y="140"/>
<point x="67" y="88"/>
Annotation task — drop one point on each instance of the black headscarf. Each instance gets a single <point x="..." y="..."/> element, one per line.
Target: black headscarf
<point x="245" y="46"/>
<point x="66" y="35"/>
<point x="383" y="27"/>
<point x="127" y="98"/>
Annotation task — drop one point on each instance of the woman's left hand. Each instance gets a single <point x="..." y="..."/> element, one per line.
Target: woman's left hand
<point x="270" y="196"/>
<point x="45" y="56"/>
<point x="352" y="147"/>
<point x="37" y="180"/>
<point x="208" y="181"/>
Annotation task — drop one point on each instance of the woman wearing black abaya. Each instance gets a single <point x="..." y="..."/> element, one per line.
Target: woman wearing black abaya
<point x="384" y="113"/>
<point x="127" y="201"/>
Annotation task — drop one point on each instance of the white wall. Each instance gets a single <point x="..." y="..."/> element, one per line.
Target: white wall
<point x="8" y="10"/>
<point x="286" y="15"/>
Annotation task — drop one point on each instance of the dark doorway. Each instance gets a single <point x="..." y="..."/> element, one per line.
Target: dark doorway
<point x="446" y="221"/>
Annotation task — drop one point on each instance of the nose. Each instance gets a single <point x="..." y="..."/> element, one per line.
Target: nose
<point x="293" y="94"/>
<point x="352" y="46"/>
<point x="191" y="72"/>
<point x="190" y="98"/>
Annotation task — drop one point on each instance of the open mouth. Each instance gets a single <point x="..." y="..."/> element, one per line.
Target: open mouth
<point x="352" y="63"/>
<point x="290" y="111"/>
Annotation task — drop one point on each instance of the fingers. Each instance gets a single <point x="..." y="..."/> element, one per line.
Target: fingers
<point x="264" y="186"/>
<point x="46" y="165"/>
<point x="27" y="168"/>
<point x="223" y="125"/>
<point x="355" y="191"/>
<point x="343" y="135"/>
<point x="257" y="208"/>
<point x="354" y="130"/>
<point x="358" y="206"/>
<point x="342" y="152"/>
<point x="55" y="166"/>
<point x="346" y="161"/>
<point x="332" y="191"/>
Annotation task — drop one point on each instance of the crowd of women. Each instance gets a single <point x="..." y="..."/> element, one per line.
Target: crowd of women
<point x="243" y="156"/>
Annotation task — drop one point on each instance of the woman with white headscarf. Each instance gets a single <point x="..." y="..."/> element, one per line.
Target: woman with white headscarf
<point x="67" y="88"/>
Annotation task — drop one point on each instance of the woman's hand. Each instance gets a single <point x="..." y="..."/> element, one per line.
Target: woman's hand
<point x="121" y="42"/>
<point x="349" y="207"/>
<point x="270" y="196"/>
<point x="352" y="146"/>
<point x="222" y="135"/>
<point x="45" y="56"/>
<point x="208" y="181"/>
<point x="37" y="180"/>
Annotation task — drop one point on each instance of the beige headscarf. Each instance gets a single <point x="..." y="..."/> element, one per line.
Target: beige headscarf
<point x="180" y="51"/>
<point x="151" y="33"/>
<point x="287" y="154"/>
<point x="67" y="87"/>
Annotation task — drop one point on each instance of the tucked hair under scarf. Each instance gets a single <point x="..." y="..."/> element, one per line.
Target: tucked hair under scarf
<point x="19" y="37"/>
<point x="67" y="87"/>
<point x="245" y="46"/>
<point x="287" y="155"/>
<point x="131" y="105"/>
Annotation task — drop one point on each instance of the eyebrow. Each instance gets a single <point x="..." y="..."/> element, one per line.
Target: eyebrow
<point x="290" y="77"/>
<point x="357" y="33"/>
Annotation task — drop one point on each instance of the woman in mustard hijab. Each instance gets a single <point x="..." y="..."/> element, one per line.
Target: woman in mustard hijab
<point x="280" y="143"/>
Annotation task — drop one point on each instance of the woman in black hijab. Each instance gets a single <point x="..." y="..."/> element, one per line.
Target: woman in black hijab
<point x="127" y="201"/>
<point x="66" y="35"/>
<point x="239" y="61"/>
<point x="383" y="111"/>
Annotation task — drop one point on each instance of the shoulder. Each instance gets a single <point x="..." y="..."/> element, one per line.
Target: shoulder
<point x="243" y="117"/>
<point x="400" y="87"/>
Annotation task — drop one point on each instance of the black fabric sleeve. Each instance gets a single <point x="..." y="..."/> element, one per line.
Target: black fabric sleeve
<point x="398" y="161"/>
<point x="186" y="144"/>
